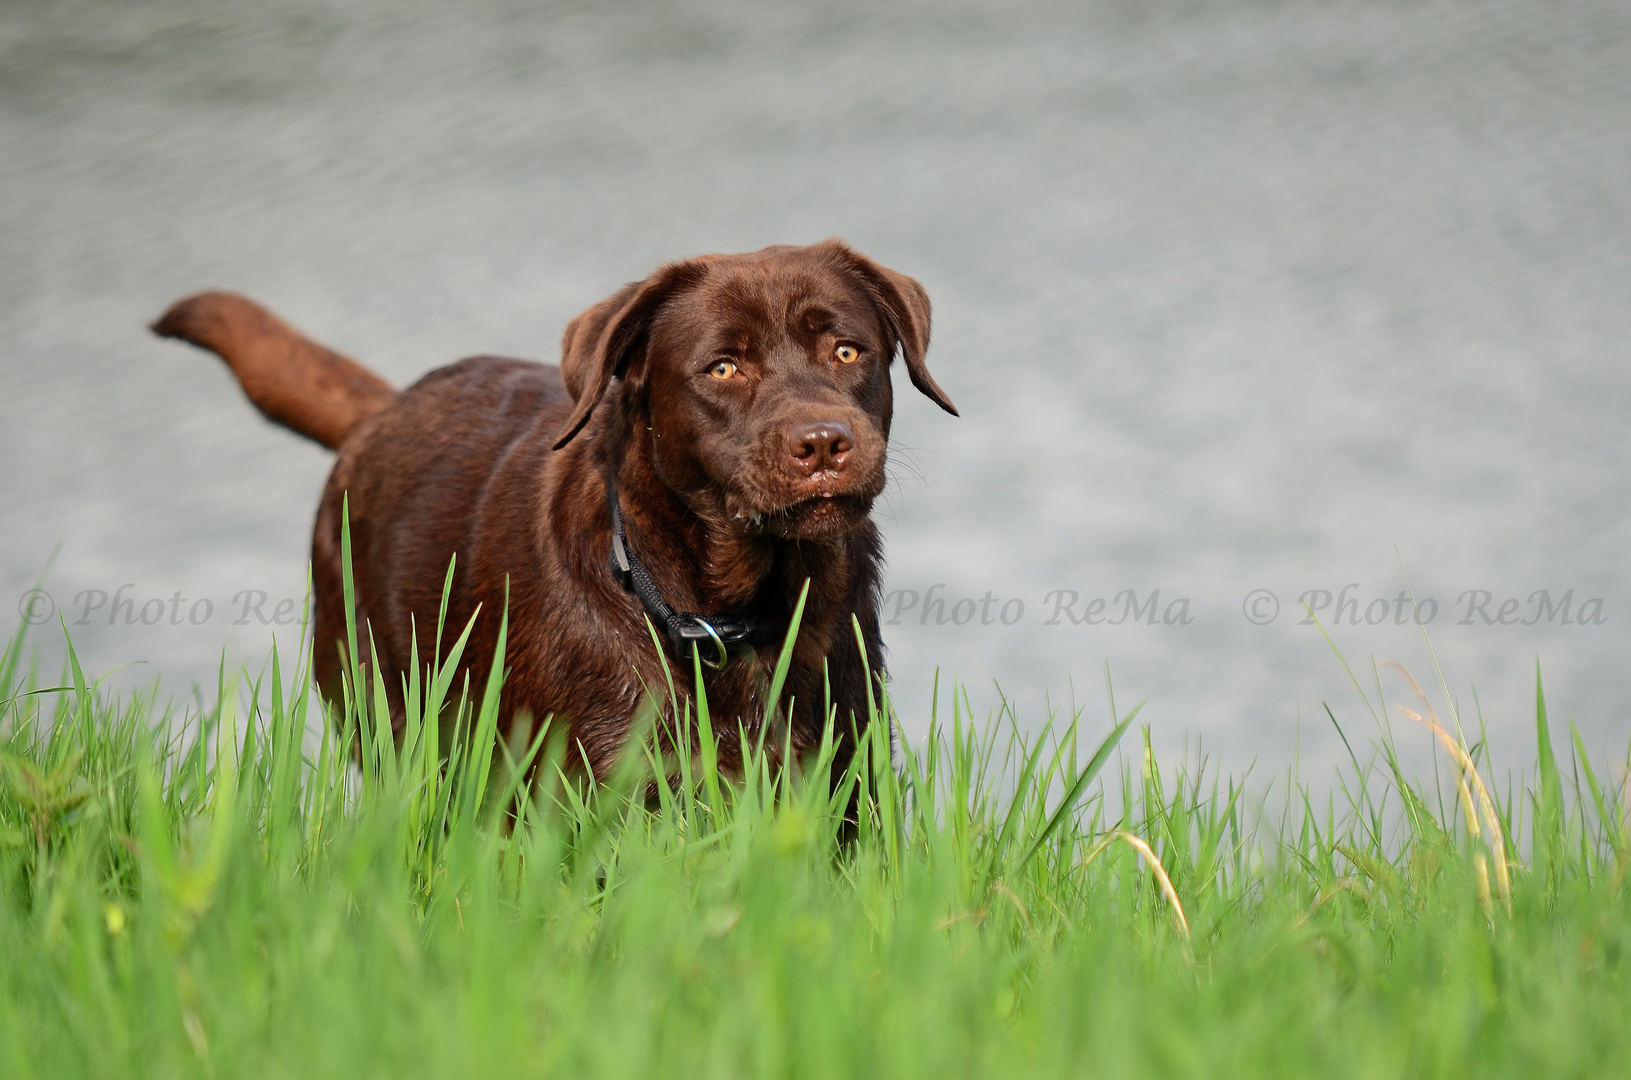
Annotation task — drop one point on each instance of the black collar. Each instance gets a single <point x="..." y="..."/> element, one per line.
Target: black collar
<point x="684" y="629"/>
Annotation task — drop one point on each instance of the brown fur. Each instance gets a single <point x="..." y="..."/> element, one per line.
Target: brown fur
<point x="735" y="491"/>
<point x="292" y="380"/>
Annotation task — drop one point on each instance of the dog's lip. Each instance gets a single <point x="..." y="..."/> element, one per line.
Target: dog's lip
<point x="808" y="491"/>
<point x="825" y="484"/>
<point x="819" y="515"/>
<point x="818" y="501"/>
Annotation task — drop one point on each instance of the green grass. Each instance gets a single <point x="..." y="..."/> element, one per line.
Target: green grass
<point x="197" y="894"/>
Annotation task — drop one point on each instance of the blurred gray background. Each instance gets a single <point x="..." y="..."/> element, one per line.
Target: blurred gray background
<point x="1234" y="296"/>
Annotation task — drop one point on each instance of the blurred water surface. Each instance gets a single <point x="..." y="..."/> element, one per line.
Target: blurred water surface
<point x="1234" y="296"/>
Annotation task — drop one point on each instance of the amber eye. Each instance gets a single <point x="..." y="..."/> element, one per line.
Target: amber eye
<point x="846" y="354"/>
<point x="722" y="369"/>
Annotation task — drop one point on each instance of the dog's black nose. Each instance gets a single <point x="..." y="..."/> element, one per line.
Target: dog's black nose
<point x="820" y="447"/>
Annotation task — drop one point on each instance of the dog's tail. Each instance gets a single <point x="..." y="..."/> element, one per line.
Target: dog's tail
<point x="294" y="381"/>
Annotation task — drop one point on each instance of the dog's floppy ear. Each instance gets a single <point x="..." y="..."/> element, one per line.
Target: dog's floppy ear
<point x="600" y="344"/>
<point x="905" y="305"/>
<point x="583" y="334"/>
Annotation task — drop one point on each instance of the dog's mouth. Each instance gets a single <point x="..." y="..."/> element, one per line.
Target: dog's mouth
<point x="822" y="511"/>
<point x="821" y="516"/>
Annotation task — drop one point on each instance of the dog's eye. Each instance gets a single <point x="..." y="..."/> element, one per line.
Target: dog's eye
<point x="722" y="369"/>
<point x="846" y="354"/>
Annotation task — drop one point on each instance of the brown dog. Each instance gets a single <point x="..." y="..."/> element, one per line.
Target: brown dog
<point x="714" y="437"/>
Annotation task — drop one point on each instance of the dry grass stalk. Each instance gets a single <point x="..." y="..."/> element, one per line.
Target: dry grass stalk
<point x="1159" y="871"/>
<point x="1468" y="782"/>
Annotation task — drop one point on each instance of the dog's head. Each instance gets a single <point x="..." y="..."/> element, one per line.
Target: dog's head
<point x="763" y="379"/>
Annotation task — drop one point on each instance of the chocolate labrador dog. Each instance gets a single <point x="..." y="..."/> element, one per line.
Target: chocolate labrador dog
<point x="714" y="437"/>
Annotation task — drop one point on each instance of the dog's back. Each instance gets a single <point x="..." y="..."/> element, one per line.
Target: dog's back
<point x="306" y="387"/>
<point x="418" y="467"/>
<point x="453" y="467"/>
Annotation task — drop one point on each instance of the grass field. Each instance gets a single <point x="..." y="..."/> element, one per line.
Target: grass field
<point x="241" y="905"/>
